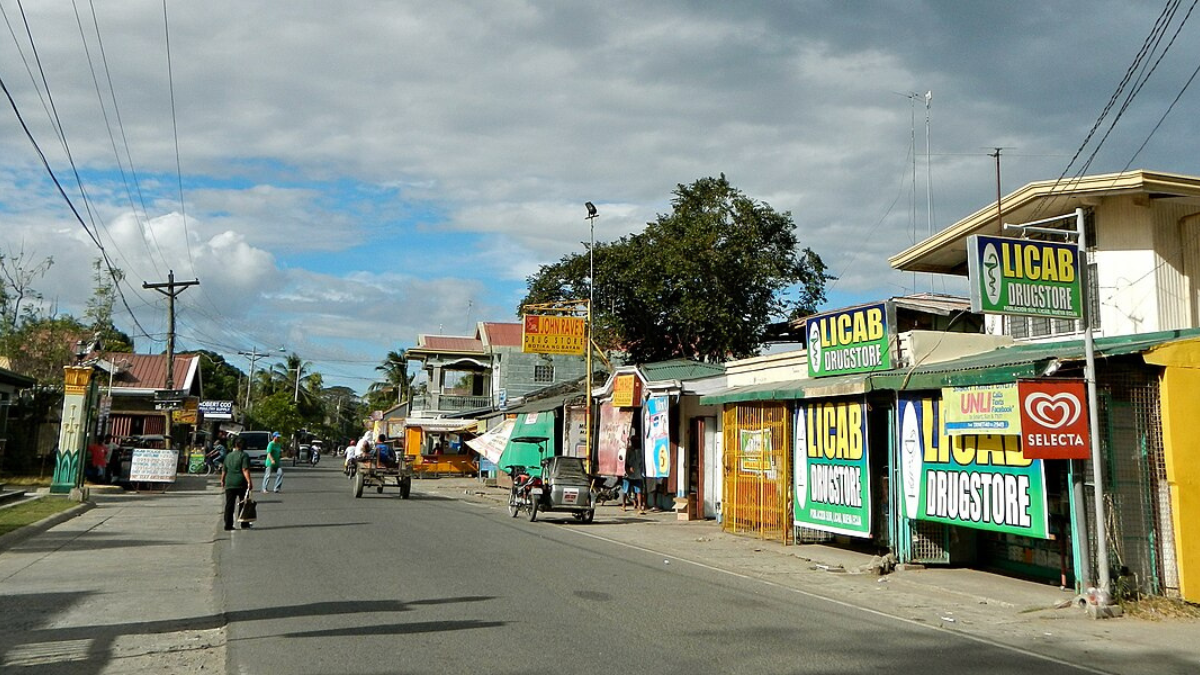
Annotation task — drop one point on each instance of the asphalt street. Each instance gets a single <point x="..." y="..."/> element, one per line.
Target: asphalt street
<point x="447" y="582"/>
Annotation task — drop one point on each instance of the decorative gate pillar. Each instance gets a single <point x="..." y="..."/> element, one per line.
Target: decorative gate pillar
<point x="78" y="395"/>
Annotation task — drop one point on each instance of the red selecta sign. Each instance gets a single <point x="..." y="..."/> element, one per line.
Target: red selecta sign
<point x="1054" y="419"/>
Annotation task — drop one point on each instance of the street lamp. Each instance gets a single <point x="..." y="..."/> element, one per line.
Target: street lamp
<point x="592" y="215"/>
<point x="254" y="357"/>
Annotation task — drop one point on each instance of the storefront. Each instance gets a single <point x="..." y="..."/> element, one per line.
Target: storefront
<point x="437" y="447"/>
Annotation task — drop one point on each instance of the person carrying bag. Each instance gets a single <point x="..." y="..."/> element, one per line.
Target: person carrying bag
<point x="235" y="481"/>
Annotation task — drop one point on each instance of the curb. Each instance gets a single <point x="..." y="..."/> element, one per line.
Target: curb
<point x="15" y="537"/>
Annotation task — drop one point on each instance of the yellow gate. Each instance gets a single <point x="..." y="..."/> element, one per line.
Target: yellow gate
<point x="758" y="471"/>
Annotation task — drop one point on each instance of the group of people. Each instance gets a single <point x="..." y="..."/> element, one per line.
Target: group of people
<point x="102" y="461"/>
<point x="363" y="448"/>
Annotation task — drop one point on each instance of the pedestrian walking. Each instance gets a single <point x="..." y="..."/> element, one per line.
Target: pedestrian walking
<point x="274" y="465"/>
<point x="235" y="479"/>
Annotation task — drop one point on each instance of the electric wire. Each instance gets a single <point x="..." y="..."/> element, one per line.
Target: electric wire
<point x="187" y="240"/>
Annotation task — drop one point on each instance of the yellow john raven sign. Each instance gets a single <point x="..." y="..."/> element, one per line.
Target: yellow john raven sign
<point x="543" y="334"/>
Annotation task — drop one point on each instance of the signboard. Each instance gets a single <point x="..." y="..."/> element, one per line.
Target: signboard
<point x="217" y="410"/>
<point x="656" y="422"/>
<point x="833" y="482"/>
<point x="1054" y="419"/>
<point x="492" y="443"/>
<point x="627" y="391"/>
<point x="151" y="465"/>
<point x="575" y="429"/>
<point x="983" y="482"/>
<point x="990" y="409"/>
<point x="615" y="426"/>
<point x="1024" y="277"/>
<point x="755" y="456"/>
<point x="849" y="341"/>
<point x="554" y="334"/>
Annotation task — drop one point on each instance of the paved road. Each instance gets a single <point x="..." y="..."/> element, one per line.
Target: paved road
<point x="327" y="583"/>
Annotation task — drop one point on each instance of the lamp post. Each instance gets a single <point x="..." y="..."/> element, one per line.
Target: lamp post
<point x="254" y="357"/>
<point x="592" y="215"/>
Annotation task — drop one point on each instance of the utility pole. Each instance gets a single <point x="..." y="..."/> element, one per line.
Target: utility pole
<point x="254" y="356"/>
<point x="170" y="289"/>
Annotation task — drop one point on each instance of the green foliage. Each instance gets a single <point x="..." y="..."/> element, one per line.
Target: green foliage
<point x="397" y="382"/>
<point x="277" y="413"/>
<point x="702" y="282"/>
<point x="100" y="306"/>
<point x="222" y="381"/>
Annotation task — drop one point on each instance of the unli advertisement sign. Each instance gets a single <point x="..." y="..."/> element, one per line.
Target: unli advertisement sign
<point x="987" y="409"/>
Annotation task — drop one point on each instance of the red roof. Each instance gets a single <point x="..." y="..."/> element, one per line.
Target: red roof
<point x="502" y="334"/>
<point x="449" y="343"/>
<point x="149" y="371"/>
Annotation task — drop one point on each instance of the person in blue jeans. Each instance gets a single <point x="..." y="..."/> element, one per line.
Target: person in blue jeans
<point x="274" y="464"/>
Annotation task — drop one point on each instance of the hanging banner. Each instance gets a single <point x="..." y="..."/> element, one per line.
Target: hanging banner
<point x="990" y="409"/>
<point x="657" y="444"/>
<point x="1054" y="419"/>
<point x="849" y="341"/>
<point x="491" y="444"/>
<point x="980" y="481"/>
<point x="833" y="483"/>
<point x="1024" y="277"/>
<point x="615" y="426"/>
<point x="554" y="334"/>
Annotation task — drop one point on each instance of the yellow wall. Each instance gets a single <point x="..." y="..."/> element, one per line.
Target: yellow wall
<point x="1181" y="403"/>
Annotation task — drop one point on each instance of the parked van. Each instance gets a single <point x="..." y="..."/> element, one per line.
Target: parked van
<point x="256" y="447"/>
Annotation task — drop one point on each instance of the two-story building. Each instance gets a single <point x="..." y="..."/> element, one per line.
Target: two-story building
<point x="464" y="379"/>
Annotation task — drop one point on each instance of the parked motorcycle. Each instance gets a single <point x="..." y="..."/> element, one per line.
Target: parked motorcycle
<point x="525" y="493"/>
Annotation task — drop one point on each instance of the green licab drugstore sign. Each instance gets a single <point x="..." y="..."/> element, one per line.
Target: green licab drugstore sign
<point x="1024" y="277"/>
<point x="850" y="341"/>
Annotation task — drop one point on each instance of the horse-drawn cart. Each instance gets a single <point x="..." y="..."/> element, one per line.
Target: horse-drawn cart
<point x="371" y="471"/>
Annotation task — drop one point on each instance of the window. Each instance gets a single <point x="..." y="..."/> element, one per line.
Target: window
<point x="543" y="374"/>
<point x="1027" y="327"/>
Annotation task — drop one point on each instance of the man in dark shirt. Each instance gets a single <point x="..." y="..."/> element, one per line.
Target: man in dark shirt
<point x="235" y="479"/>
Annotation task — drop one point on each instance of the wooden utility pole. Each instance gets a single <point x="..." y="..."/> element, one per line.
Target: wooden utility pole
<point x="170" y="289"/>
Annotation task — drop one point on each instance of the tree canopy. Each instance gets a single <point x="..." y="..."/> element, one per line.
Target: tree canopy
<point x="702" y="282"/>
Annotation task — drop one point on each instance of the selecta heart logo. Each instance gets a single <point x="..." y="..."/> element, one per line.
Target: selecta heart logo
<point x="1053" y="411"/>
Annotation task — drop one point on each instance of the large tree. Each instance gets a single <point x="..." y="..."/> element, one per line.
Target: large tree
<point x="702" y="282"/>
<point x="397" y="382"/>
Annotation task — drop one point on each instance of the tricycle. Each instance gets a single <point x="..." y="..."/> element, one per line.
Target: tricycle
<point x="558" y="484"/>
<point x="373" y="471"/>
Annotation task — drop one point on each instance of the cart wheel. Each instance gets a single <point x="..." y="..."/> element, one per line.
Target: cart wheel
<point x="405" y="488"/>
<point x="358" y="485"/>
<point x="589" y="515"/>
<point x="533" y="507"/>
<point x="514" y="507"/>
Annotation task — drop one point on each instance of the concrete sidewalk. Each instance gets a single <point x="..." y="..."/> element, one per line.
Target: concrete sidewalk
<point x="128" y="587"/>
<point x="988" y="607"/>
<point x="124" y="587"/>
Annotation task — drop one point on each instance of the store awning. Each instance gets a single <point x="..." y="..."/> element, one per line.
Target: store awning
<point x="814" y="387"/>
<point x="442" y="425"/>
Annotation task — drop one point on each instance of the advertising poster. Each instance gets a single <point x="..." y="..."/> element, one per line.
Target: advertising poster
<point x="615" y="426"/>
<point x="658" y="442"/>
<point x="1054" y="419"/>
<point x="491" y="444"/>
<point x="981" y="481"/>
<point x="627" y="391"/>
<point x="1024" y="277"/>
<point x="755" y="456"/>
<point x="991" y="409"/>
<point x="150" y="465"/>
<point x="833" y="484"/>
<point x="850" y="341"/>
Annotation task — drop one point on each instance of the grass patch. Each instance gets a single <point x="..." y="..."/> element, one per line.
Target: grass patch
<point x="26" y="481"/>
<point x="16" y="517"/>
<point x="1156" y="608"/>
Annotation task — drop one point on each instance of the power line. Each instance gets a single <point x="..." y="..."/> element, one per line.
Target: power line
<point x="175" y="127"/>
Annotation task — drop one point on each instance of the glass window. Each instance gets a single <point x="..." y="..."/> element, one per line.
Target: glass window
<point x="543" y="374"/>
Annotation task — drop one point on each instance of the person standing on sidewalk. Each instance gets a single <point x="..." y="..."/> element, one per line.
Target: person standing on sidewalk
<point x="274" y="464"/>
<point x="235" y="479"/>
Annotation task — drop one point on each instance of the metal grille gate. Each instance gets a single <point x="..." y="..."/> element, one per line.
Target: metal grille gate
<point x="1141" y="547"/>
<point x="758" y="471"/>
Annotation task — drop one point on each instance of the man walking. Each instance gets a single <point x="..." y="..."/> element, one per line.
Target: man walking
<point x="274" y="464"/>
<point x="235" y="479"/>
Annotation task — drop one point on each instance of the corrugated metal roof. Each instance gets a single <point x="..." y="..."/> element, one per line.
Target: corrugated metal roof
<point x="679" y="369"/>
<point x="502" y="334"/>
<point x="149" y="371"/>
<point x="449" y="343"/>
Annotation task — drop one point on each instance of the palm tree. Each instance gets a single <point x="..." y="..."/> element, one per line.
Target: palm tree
<point x="395" y="376"/>
<point x="294" y="371"/>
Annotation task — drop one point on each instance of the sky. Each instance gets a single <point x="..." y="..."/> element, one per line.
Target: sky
<point x="343" y="176"/>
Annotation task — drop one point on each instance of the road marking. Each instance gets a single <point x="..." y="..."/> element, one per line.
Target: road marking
<point x="847" y="605"/>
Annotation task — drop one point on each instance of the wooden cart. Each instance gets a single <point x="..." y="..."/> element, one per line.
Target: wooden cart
<point x="370" y="472"/>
